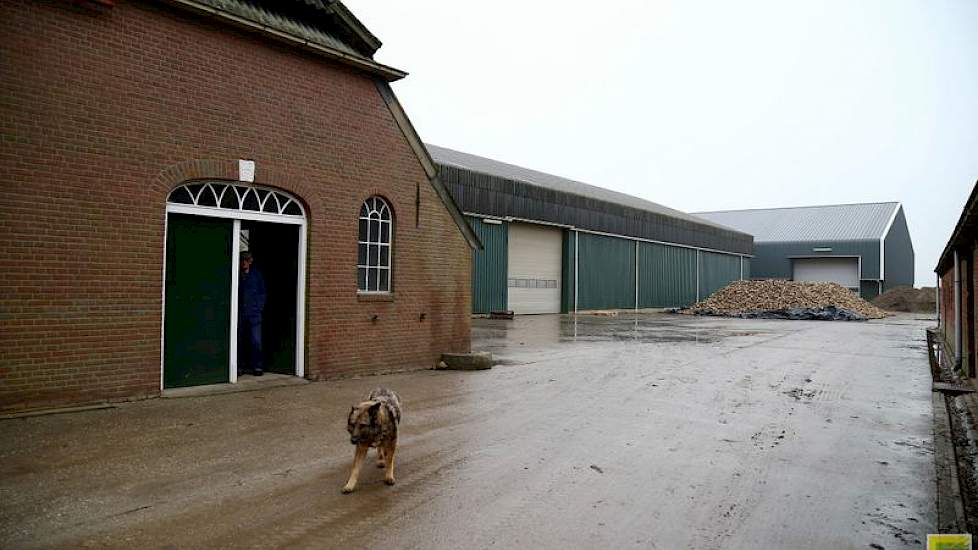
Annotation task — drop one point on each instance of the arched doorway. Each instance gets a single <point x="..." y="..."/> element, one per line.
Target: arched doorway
<point x="209" y="224"/>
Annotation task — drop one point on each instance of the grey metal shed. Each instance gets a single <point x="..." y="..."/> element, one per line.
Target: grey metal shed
<point x="867" y="242"/>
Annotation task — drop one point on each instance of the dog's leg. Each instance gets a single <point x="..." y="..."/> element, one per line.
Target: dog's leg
<point x="361" y="453"/>
<point x="381" y="461"/>
<point x="389" y="456"/>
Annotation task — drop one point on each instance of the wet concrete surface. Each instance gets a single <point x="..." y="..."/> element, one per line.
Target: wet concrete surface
<point x="649" y="431"/>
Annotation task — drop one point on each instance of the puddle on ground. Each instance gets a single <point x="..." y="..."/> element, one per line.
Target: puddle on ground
<point x="537" y="330"/>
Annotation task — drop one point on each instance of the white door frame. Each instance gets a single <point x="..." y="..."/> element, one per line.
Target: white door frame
<point x="237" y="216"/>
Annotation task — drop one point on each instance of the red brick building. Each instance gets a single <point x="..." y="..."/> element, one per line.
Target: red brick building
<point x="146" y="144"/>
<point x="957" y="279"/>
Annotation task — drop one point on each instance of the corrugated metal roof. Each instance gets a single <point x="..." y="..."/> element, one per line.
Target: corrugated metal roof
<point x="839" y="222"/>
<point x="483" y="165"/>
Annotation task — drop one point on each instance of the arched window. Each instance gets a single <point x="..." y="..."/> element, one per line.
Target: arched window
<point x="374" y="246"/>
<point x="241" y="197"/>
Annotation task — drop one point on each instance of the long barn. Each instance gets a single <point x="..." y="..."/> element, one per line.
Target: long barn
<point x="555" y="245"/>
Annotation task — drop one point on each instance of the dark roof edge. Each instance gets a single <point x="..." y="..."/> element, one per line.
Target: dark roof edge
<point x="385" y="72"/>
<point x="429" y="166"/>
<point x="956" y="236"/>
<point x="698" y="221"/>
<point x="355" y="25"/>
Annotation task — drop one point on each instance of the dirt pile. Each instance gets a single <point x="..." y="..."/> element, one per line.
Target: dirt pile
<point x="782" y="299"/>
<point x="905" y="298"/>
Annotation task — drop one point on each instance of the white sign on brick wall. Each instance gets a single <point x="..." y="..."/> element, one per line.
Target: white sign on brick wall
<point x="246" y="170"/>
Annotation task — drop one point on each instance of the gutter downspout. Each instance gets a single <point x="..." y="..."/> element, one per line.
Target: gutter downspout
<point x="957" y="311"/>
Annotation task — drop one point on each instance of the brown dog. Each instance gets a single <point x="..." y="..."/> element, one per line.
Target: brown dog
<point x="373" y="423"/>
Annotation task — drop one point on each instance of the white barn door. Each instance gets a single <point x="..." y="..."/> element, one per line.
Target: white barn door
<point x="844" y="271"/>
<point x="534" y="268"/>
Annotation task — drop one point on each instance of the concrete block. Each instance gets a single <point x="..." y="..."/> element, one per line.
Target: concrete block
<point x="467" y="361"/>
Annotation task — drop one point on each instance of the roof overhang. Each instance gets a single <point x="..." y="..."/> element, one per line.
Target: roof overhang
<point x="387" y="73"/>
<point x="967" y="226"/>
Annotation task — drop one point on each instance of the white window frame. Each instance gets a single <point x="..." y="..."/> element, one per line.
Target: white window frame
<point x="384" y="208"/>
<point x="281" y="202"/>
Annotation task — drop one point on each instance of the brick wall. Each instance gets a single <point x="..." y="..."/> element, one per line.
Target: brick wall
<point x="967" y="367"/>
<point x="103" y="113"/>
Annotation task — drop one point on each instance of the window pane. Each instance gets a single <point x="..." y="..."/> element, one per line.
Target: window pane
<point x="207" y="197"/>
<point x="385" y="276"/>
<point x="250" y="201"/>
<point x="194" y="188"/>
<point x="363" y="230"/>
<point x="385" y="232"/>
<point x="362" y="278"/>
<point x="181" y="195"/>
<point x="270" y="204"/>
<point x="372" y="256"/>
<point x="371" y="279"/>
<point x="385" y="256"/>
<point x="374" y="231"/>
<point x="230" y="199"/>
<point x="362" y="254"/>
<point x="363" y="210"/>
<point x="292" y="209"/>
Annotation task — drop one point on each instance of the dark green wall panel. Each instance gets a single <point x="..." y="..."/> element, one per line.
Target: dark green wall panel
<point x="772" y="260"/>
<point x="667" y="275"/>
<point x="607" y="272"/>
<point x="717" y="271"/>
<point x="567" y="273"/>
<point x="898" y="255"/>
<point x="489" y="267"/>
<point x="869" y="290"/>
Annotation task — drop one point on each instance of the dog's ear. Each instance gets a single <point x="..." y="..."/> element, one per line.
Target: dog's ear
<point x="373" y="411"/>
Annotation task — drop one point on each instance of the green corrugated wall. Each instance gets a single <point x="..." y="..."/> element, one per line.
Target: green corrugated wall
<point x="567" y="273"/>
<point x="489" y="267"/>
<point x="607" y="272"/>
<point x="667" y="275"/>
<point x="717" y="271"/>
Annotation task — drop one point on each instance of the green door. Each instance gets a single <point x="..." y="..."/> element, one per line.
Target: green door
<point x="197" y="328"/>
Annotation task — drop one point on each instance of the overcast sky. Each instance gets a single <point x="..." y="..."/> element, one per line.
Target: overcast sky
<point x="706" y="105"/>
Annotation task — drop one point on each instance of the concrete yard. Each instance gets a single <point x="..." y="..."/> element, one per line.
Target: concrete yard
<point x="641" y="431"/>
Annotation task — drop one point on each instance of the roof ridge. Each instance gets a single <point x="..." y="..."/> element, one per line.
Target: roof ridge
<point x="523" y="168"/>
<point x="686" y="216"/>
<point x="796" y="207"/>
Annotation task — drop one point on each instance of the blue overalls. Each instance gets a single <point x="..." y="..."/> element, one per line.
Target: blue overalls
<point x="251" y="302"/>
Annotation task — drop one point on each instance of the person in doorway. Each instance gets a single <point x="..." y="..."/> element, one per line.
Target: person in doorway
<point x="251" y="303"/>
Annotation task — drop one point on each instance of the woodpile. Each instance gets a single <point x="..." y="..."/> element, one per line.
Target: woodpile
<point x="777" y="295"/>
